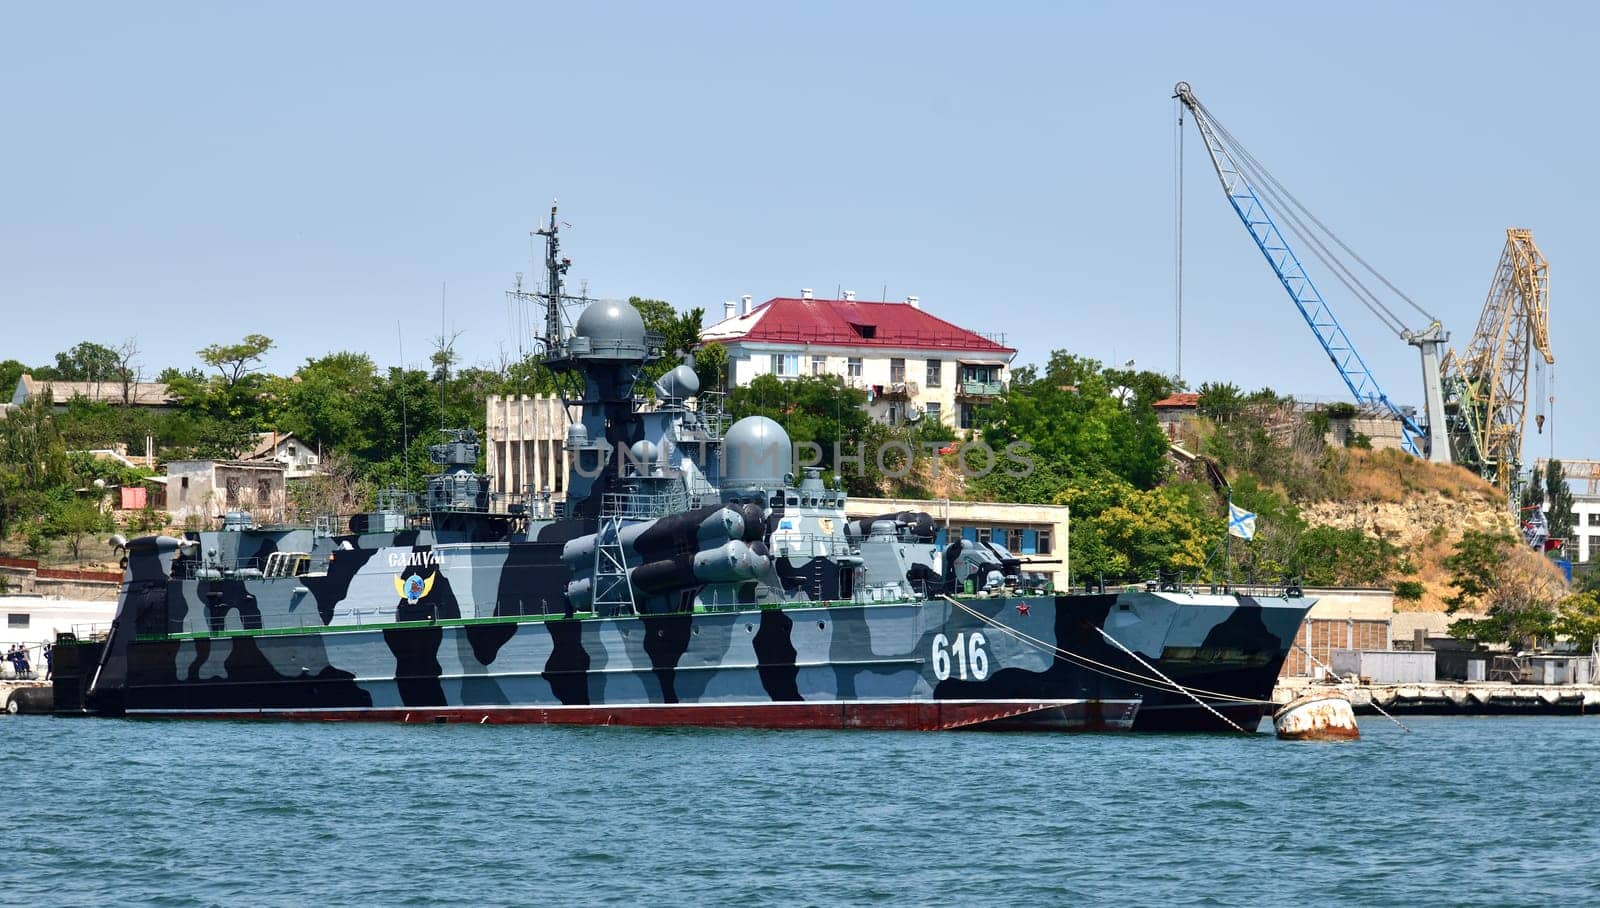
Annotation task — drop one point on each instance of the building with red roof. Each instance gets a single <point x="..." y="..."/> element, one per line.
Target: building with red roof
<point x="1171" y="410"/>
<point x="911" y="363"/>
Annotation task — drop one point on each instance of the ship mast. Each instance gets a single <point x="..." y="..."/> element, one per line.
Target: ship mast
<point x="555" y="267"/>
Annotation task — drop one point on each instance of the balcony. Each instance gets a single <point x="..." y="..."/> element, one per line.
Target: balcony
<point x="899" y="390"/>
<point x="979" y="390"/>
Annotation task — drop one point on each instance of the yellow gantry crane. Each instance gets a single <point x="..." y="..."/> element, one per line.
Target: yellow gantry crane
<point x="1486" y="387"/>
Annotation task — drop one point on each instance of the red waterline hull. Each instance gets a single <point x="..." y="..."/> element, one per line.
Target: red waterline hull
<point x="938" y="715"/>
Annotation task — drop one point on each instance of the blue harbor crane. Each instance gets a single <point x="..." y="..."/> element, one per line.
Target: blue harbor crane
<point x="1256" y="197"/>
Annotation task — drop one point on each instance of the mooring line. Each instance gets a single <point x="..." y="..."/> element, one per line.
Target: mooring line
<point x="1371" y="701"/>
<point x="1176" y="686"/>
<point x="1093" y="665"/>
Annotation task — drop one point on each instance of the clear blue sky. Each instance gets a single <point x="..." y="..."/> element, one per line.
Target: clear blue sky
<point x="186" y="174"/>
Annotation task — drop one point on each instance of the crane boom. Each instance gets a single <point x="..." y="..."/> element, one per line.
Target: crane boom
<point x="1488" y="383"/>
<point x="1258" y="221"/>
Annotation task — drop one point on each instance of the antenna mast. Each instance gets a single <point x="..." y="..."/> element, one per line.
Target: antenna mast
<point x="555" y="266"/>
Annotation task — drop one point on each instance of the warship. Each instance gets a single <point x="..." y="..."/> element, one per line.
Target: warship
<point x="692" y="575"/>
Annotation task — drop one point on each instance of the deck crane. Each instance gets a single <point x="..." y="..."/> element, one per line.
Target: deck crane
<point x="1259" y="200"/>
<point x="1486" y="387"/>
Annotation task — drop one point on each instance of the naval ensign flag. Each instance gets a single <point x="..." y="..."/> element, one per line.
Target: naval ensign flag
<point x="1241" y="523"/>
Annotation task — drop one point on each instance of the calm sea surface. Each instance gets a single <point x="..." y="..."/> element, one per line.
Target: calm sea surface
<point x="1464" y="811"/>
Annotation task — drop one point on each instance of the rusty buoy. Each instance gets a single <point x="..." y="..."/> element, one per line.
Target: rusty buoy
<point x="1321" y="716"/>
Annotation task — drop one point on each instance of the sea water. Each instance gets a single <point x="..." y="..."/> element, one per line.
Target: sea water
<point x="1460" y="811"/>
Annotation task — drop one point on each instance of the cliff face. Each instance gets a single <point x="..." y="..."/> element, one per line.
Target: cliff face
<point x="1420" y="507"/>
<point x="1411" y="523"/>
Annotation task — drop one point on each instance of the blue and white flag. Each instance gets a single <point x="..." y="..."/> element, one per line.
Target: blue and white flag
<point x="1241" y="523"/>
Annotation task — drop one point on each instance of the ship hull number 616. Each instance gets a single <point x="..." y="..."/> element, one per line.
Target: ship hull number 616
<point x="965" y="654"/>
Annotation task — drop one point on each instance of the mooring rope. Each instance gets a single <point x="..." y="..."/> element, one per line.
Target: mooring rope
<point x="1159" y="682"/>
<point x="1140" y="659"/>
<point x="1371" y="700"/>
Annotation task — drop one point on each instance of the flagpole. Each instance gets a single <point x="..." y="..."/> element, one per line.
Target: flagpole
<point x="1227" y="544"/>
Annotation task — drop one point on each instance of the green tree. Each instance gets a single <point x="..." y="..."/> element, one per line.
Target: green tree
<point x="1558" y="496"/>
<point x="1075" y="426"/>
<point x="323" y="404"/>
<point x="234" y="361"/>
<point x="1220" y="401"/>
<point x="1514" y="589"/>
<point x="1578" y="618"/>
<point x="711" y="366"/>
<point x="86" y="361"/>
<point x="76" y="519"/>
<point x="821" y="410"/>
<point x="10" y="373"/>
<point x="680" y="333"/>
<point x="1335" y="557"/>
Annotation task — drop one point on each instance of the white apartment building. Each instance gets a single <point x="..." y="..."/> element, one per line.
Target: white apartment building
<point x="912" y="364"/>
<point x="1586" y="527"/>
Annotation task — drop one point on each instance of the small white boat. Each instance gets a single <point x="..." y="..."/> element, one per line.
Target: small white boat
<point x="1318" y="716"/>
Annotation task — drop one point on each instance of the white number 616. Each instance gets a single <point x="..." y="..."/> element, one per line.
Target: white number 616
<point x="967" y="652"/>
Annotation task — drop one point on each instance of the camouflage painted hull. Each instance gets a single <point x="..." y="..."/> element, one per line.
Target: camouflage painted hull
<point x="1037" y="663"/>
<point x="916" y="665"/>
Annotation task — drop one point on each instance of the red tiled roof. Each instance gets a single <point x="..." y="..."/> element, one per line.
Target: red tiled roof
<point x="849" y="323"/>
<point x="1183" y="400"/>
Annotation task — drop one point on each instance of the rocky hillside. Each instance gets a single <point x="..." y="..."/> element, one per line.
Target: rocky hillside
<point x="1422" y="508"/>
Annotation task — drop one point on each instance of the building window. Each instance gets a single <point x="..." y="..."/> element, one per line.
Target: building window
<point x="935" y="373"/>
<point x="264" y="491"/>
<point x="786" y="365"/>
<point x="933" y="411"/>
<point x="1043" y="546"/>
<point x="16" y="619"/>
<point x="1594" y="546"/>
<point x="893" y="416"/>
<point x="819" y="365"/>
<point x="967" y="416"/>
<point x="1014" y="540"/>
<point x="1594" y="519"/>
<point x="232" y="486"/>
<point x="852" y="367"/>
<point x="897" y="369"/>
<point x="184" y="482"/>
<point x="979" y="373"/>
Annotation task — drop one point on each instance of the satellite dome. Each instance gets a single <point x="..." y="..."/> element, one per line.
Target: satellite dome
<point x="612" y="328"/>
<point x="644" y="453"/>
<point x="680" y="383"/>
<point x="756" y="453"/>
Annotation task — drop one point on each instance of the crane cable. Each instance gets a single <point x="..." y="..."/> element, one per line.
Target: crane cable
<point x="1297" y="213"/>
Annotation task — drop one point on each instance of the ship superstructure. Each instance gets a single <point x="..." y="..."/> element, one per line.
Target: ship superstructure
<point x="691" y="576"/>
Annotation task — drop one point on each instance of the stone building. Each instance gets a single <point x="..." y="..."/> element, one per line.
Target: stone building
<point x="200" y="491"/>
<point x="526" y="448"/>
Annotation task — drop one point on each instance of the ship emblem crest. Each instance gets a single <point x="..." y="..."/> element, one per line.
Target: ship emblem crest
<point x="413" y="587"/>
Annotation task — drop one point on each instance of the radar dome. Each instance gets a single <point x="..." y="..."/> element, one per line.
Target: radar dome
<point x="644" y="453"/>
<point x="612" y="328"/>
<point x="756" y="452"/>
<point x="680" y="383"/>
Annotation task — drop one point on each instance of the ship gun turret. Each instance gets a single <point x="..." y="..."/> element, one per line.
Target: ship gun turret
<point x="457" y="487"/>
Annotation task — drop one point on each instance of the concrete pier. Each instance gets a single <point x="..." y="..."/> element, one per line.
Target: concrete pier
<point x="1449" y="698"/>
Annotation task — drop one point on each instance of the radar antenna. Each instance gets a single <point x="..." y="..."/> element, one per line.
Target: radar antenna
<point x="555" y="267"/>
